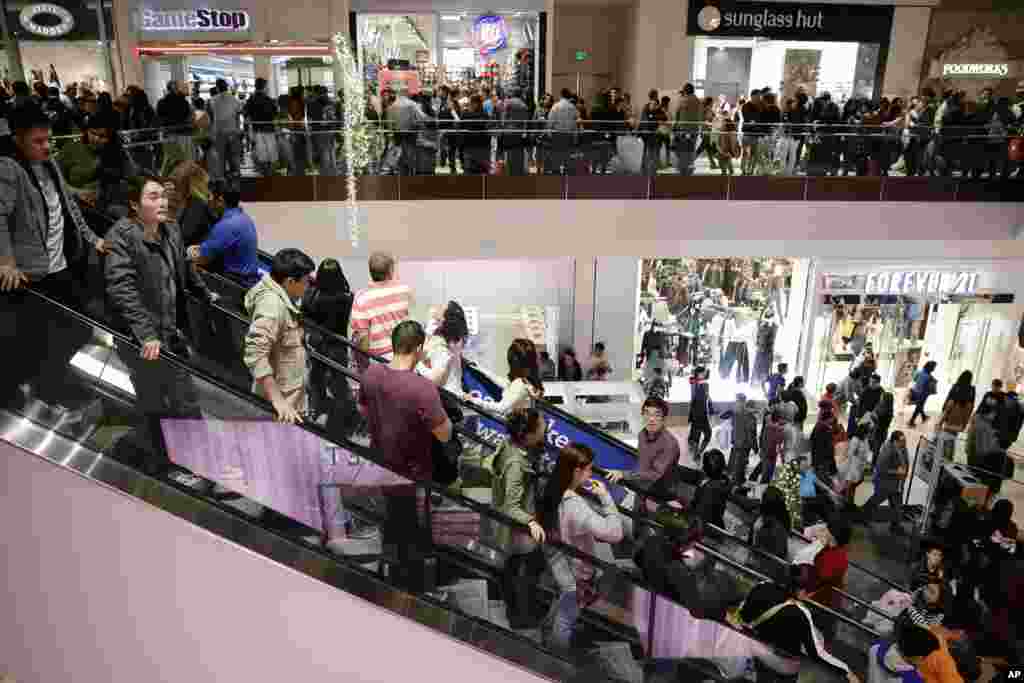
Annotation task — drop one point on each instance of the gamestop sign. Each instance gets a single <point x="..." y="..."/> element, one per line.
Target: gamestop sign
<point x="790" y="21"/>
<point x="200" y="20"/>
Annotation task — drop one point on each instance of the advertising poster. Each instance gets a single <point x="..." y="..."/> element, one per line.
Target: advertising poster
<point x="800" y="71"/>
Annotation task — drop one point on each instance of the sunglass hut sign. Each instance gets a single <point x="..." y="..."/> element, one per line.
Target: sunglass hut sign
<point x="790" y="20"/>
<point x="200" y="20"/>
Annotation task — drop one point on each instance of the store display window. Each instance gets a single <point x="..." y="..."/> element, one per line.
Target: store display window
<point x="450" y="48"/>
<point x="59" y="43"/>
<point x="897" y="334"/>
<point x="729" y="315"/>
<point x="742" y="45"/>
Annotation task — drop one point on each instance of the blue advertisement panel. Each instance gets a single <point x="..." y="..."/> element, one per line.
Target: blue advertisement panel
<point x="562" y="429"/>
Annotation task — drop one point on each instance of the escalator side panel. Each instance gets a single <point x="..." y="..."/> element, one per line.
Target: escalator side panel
<point x="129" y="593"/>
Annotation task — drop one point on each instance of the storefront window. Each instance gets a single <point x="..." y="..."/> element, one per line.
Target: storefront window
<point x="734" y="66"/>
<point x="786" y="47"/>
<point x="450" y="48"/>
<point x="58" y="43"/>
<point x="957" y="327"/>
<point x="737" y="317"/>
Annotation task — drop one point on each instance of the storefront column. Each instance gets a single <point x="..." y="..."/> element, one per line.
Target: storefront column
<point x="906" y="52"/>
<point x="583" y="307"/>
<point x="262" y="68"/>
<point x="127" y="64"/>
<point x="549" y="48"/>
<point x="17" y="70"/>
<point x="661" y="52"/>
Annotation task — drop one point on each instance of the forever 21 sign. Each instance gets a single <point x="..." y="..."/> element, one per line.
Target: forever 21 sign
<point x="790" y="21"/>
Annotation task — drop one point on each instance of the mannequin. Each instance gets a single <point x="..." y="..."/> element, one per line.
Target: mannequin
<point x="766" y="331"/>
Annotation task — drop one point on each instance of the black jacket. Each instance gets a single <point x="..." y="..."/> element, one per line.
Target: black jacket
<point x="135" y="289"/>
<point x="195" y="222"/>
<point x="331" y="311"/>
<point x="823" y="449"/>
<point x="259" y="109"/>
<point x="710" y="501"/>
<point x="174" y="110"/>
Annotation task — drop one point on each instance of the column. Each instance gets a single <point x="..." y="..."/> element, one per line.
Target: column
<point x="661" y="52"/>
<point x="903" y="68"/>
<point x="262" y="68"/>
<point x="17" y="70"/>
<point x="127" y="64"/>
<point x="584" y="307"/>
<point x="549" y="50"/>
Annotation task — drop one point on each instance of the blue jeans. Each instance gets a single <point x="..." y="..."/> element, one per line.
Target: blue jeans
<point x="562" y="618"/>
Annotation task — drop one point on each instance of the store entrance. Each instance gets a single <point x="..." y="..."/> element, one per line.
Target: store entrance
<point x="728" y="72"/>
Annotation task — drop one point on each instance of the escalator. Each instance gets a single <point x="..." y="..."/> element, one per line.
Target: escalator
<point x="864" y="586"/>
<point x="281" y="490"/>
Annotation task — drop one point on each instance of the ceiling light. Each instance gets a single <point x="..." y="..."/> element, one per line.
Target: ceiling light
<point x="451" y="17"/>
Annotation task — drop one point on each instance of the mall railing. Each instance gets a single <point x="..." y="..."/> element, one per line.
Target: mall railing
<point x="294" y="161"/>
<point x="434" y="554"/>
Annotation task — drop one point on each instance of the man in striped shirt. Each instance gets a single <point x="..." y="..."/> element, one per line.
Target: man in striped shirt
<point x="378" y="309"/>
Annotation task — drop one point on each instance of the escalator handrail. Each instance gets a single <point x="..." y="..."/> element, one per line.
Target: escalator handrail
<point x="361" y="451"/>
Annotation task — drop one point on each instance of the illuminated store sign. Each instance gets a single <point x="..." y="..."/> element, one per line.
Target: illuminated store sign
<point x="921" y="282"/>
<point x="198" y="20"/>
<point x="982" y="70"/>
<point x="47" y="20"/>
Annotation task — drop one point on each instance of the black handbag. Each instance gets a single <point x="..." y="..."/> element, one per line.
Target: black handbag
<point x="445" y="456"/>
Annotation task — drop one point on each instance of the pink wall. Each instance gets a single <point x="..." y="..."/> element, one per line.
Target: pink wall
<point x="547" y="229"/>
<point x="101" y="587"/>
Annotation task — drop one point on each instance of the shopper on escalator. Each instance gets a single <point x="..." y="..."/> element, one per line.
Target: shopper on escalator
<point x="195" y="214"/>
<point x="405" y="415"/>
<point x="231" y="248"/>
<point x="567" y="517"/>
<point x="514" y="494"/>
<point x="275" y="349"/>
<point x="701" y="410"/>
<point x="147" y="278"/>
<point x="523" y="384"/>
<point x="328" y="303"/>
<point x="777" y="616"/>
<point x="443" y="362"/>
<point x="44" y="244"/>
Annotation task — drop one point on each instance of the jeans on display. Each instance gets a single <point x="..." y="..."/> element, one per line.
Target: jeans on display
<point x="735" y="352"/>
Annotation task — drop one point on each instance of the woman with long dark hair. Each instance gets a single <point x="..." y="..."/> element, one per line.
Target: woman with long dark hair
<point x="328" y="303"/>
<point x="443" y="351"/>
<point x="959" y="405"/>
<point x="523" y="384"/>
<point x="770" y="532"/>
<point x="568" y="518"/>
<point x="514" y="493"/>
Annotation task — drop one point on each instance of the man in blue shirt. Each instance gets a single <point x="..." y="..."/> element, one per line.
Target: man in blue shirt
<point x="231" y="245"/>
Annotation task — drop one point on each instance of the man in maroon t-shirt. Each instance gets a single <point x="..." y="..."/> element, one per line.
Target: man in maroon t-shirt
<point x="404" y="409"/>
<point x="404" y="414"/>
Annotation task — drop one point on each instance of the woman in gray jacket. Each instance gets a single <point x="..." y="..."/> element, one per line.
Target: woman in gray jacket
<point x="514" y="494"/>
